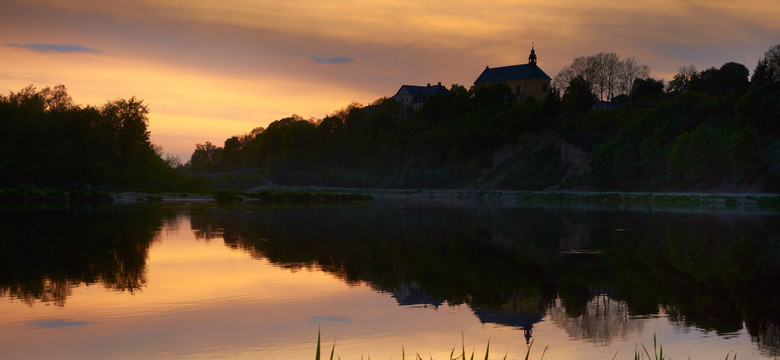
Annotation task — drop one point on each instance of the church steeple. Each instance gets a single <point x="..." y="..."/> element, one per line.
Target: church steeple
<point x="532" y="57"/>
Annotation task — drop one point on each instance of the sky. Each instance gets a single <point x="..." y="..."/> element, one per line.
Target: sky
<point x="209" y="70"/>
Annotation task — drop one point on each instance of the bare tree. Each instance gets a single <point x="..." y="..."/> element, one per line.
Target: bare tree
<point x="630" y="72"/>
<point x="608" y="75"/>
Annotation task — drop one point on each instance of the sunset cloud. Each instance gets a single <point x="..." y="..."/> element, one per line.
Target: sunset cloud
<point x="335" y="60"/>
<point x="56" y="48"/>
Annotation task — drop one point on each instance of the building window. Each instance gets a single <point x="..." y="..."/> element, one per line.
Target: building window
<point x="544" y="87"/>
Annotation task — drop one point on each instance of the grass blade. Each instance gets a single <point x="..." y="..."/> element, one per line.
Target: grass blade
<point x="463" y="344"/>
<point x="317" y="356"/>
<point x="528" y="353"/>
<point x="646" y="352"/>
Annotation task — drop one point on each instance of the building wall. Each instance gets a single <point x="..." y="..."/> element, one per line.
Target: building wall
<point x="404" y="97"/>
<point x="523" y="88"/>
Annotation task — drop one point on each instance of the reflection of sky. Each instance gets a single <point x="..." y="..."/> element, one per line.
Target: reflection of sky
<point x="205" y="299"/>
<point x="213" y="69"/>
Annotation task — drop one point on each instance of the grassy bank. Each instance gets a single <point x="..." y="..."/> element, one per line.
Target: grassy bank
<point x="291" y="196"/>
<point x="29" y="193"/>
<point x="763" y="200"/>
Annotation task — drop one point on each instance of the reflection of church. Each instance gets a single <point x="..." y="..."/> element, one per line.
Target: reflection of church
<point x="519" y="311"/>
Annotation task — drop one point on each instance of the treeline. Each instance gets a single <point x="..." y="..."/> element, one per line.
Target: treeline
<point x="718" y="128"/>
<point x="46" y="140"/>
<point x="709" y="129"/>
<point x="446" y="143"/>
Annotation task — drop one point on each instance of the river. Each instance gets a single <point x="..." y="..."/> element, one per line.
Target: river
<point x="386" y="279"/>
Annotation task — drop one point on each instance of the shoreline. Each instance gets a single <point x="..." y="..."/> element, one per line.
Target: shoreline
<point x="467" y="194"/>
<point x="348" y="194"/>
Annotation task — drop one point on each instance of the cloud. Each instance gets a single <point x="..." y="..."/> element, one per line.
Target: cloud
<point x="335" y="60"/>
<point x="329" y="318"/>
<point x="56" y="48"/>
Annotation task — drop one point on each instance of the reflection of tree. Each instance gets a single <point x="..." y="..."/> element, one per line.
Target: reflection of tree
<point x="444" y="250"/>
<point x="705" y="270"/>
<point x="601" y="320"/>
<point x="44" y="253"/>
<point x="766" y="334"/>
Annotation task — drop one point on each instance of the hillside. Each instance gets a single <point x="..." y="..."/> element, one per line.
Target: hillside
<point x="704" y="131"/>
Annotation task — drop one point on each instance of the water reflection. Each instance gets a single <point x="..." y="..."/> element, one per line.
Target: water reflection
<point x="602" y="320"/>
<point x="46" y="252"/>
<point x="595" y="272"/>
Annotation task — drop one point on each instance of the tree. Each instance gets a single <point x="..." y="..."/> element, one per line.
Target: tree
<point x="768" y="69"/>
<point x="731" y="77"/>
<point x="698" y="157"/>
<point x="578" y="96"/>
<point x="745" y="150"/>
<point x="203" y="157"/>
<point x="56" y="99"/>
<point x="682" y="80"/>
<point x="45" y="139"/>
<point x="646" y="87"/>
<point x="127" y="120"/>
<point x="607" y="75"/>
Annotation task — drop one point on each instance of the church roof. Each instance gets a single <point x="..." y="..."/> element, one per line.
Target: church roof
<point x="424" y="91"/>
<point x="513" y="72"/>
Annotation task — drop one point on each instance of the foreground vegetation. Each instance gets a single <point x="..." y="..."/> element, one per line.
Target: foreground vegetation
<point x="657" y="354"/>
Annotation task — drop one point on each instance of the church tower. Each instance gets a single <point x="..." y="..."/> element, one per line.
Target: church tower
<point x="532" y="57"/>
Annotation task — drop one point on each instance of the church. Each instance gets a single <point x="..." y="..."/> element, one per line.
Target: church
<point x="525" y="80"/>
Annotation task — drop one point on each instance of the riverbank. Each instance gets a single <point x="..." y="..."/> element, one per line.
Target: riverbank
<point x="329" y="194"/>
<point x="561" y="196"/>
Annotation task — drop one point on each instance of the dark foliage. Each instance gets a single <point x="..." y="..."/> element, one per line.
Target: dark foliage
<point x="46" y="140"/>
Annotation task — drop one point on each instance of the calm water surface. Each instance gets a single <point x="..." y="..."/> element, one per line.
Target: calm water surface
<point x="256" y="281"/>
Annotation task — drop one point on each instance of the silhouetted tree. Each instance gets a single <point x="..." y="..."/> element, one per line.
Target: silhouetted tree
<point x="768" y="69"/>
<point x="45" y="139"/>
<point x="682" y="79"/>
<point x="204" y="157"/>
<point x="607" y="75"/>
<point x="578" y="96"/>
<point x="646" y="87"/>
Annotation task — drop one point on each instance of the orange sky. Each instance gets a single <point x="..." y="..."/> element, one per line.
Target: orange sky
<point x="212" y="69"/>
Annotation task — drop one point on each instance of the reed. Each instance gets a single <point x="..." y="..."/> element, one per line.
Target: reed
<point x="657" y="354"/>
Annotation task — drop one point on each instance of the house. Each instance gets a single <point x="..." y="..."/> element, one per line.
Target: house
<point x="412" y="96"/>
<point x="525" y="80"/>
